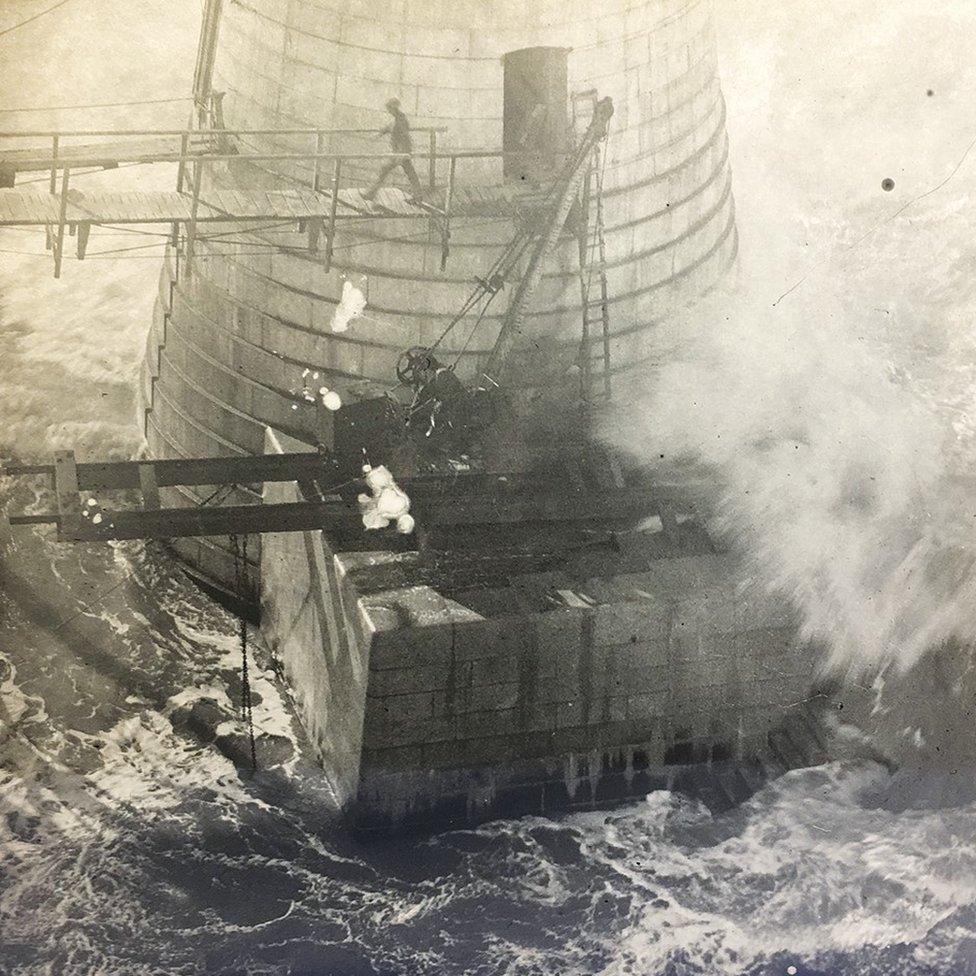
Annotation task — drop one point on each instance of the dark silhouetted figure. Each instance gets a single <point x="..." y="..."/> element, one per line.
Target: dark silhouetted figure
<point x="400" y="142"/>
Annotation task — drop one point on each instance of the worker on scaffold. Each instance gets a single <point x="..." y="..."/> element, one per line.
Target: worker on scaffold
<point x="400" y="142"/>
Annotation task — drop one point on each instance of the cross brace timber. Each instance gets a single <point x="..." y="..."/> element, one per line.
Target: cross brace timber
<point x="435" y="501"/>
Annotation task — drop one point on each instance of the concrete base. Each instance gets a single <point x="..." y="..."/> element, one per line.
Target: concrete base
<point x="434" y="704"/>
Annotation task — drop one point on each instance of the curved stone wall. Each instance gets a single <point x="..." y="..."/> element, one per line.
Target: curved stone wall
<point x="227" y="350"/>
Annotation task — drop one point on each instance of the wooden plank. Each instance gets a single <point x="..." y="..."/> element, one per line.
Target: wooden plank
<point x="223" y="201"/>
<point x="250" y="201"/>
<point x="310" y="208"/>
<point x="233" y="202"/>
<point x="294" y="206"/>
<point x="254" y="205"/>
<point x="15" y="205"/>
<point x="165" y="205"/>
<point x="66" y="482"/>
<point x="27" y="207"/>
<point x="205" y="209"/>
<point x="11" y="204"/>
<point x="184" y="207"/>
<point x="142" y="208"/>
<point x="219" y="204"/>
<point x="135" y="208"/>
<point x="109" y="209"/>
<point x="152" y="206"/>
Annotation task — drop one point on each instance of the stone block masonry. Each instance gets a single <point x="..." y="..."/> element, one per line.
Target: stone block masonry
<point x="556" y="710"/>
<point x="427" y="714"/>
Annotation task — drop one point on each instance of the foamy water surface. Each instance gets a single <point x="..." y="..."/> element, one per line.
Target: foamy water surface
<point x="133" y="839"/>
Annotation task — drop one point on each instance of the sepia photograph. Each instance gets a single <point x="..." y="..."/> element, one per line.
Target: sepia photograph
<point x="487" y="488"/>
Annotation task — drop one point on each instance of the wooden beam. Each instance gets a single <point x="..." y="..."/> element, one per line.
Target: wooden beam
<point x="168" y="523"/>
<point x="542" y="506"/>
<point x="181" y="169"/>
<point x="62" y="215"/>
<point x="446" y="226"/>
<point x="193" y="471"/>
<point x="315" y="225"/>
<point x="46" y="518"/>
<point x="66" y="490"/>
<point x="333" y="211"/>
<point x="432" y="159"/>
<point x="171" y="523"/>
<point x="66" y="483"/>
<point x="84" y="229"/>
<point x="53" y="184"/>
<point x="319" y="149"/>
<point x="191" y="227"/>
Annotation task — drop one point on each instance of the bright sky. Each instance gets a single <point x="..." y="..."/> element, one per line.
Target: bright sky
<point x="826" y="98"/>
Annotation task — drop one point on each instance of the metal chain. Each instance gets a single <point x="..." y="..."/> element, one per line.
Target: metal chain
<point x="241" y="580"/>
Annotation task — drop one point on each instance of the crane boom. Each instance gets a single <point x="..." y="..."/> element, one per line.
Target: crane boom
<point x="567" y="184"/>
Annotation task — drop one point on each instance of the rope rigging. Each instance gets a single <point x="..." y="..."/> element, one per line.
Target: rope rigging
<point x="66" y="108"/>
<point x="31" y="19"/>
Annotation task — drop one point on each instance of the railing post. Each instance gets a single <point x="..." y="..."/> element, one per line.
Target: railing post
<point x="191" y="227"/>
<point x="62" y="216"/>
<point x="55" y="144"/>
<point x="319" y="149"/>
<point x="333" y="207"/>
<point x="446" y="232"/>
<point x="184" y="152"/>
<point x="432" y="162"/>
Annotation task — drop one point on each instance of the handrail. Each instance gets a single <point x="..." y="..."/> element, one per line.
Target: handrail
<point x="203" y="132"/>
<point x="49" y="161"/>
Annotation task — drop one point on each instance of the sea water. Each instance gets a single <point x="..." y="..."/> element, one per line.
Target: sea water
<point x="133" y="838"/>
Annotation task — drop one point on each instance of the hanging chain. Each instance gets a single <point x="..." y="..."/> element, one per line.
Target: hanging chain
<point x="241" y="578"/>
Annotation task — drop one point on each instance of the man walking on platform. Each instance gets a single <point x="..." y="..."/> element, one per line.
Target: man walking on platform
<point x="400" y="142"/>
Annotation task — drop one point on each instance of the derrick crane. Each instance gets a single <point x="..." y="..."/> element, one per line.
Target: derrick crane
<point x="436" y="389"/>
<point x="566" y="191"/>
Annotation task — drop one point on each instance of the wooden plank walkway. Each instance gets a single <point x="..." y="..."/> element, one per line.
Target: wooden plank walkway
<point x="37" y="158"/>
<point x="19" y="207"/>
<point x="33" y="208"/>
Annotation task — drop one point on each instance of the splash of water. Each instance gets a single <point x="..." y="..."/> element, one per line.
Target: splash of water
<point x="839" y="449"/>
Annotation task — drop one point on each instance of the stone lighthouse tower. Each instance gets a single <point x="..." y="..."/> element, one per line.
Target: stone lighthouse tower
<point x="231" y="343"/>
